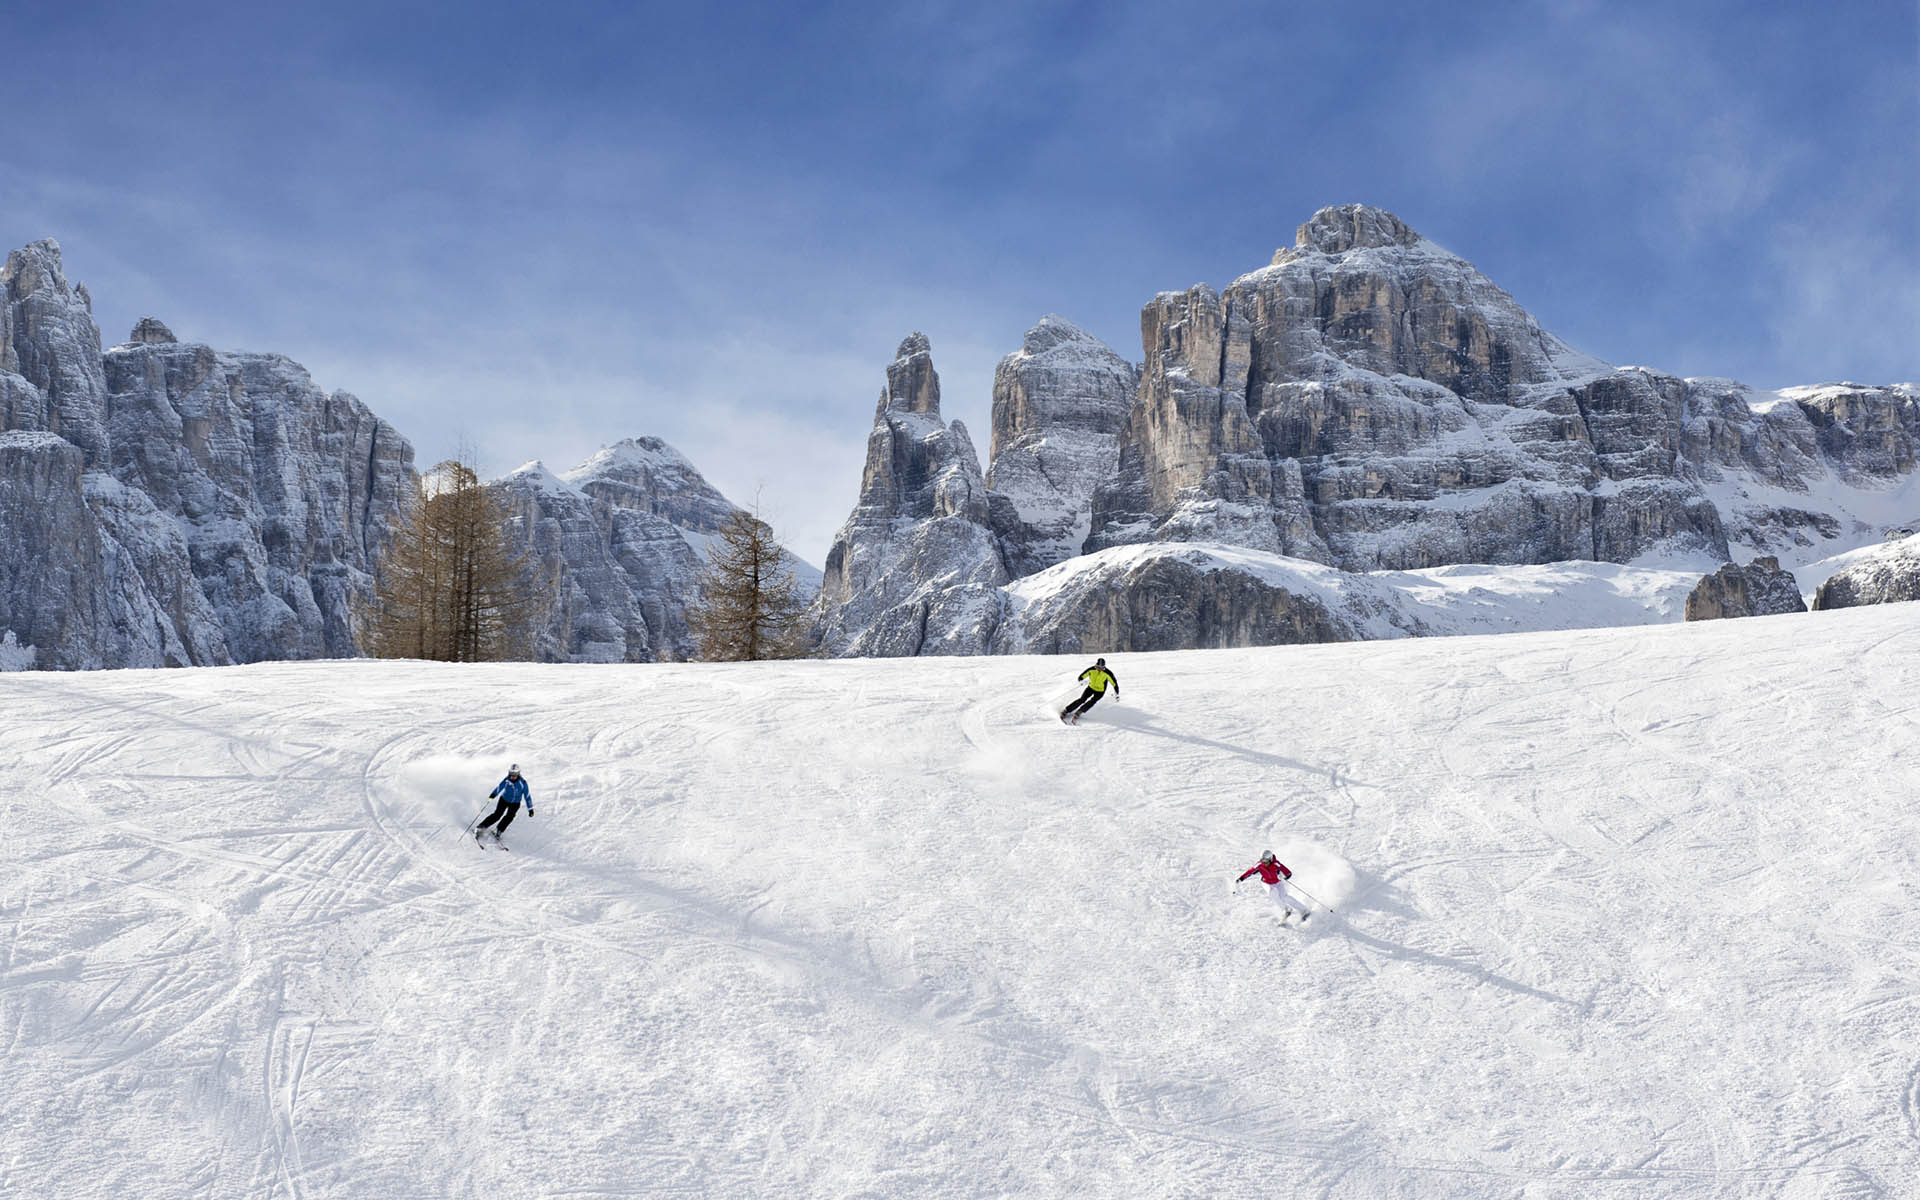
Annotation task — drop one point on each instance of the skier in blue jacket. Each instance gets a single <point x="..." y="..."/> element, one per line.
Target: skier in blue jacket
<point x="511" y="792"/>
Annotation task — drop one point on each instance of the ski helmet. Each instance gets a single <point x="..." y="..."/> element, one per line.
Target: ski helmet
<point x="1099" y="662"/>
<point x="1267" y="857"/>
<point x="514" y="769"/>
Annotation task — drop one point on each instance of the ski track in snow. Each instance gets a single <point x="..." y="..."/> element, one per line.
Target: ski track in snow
<point x="1620" y="912"/>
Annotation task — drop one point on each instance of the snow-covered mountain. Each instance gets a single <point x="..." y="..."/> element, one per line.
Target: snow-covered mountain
<point x="620" y="541"/>
<point x="164" y="503"/>
<point x="1620" y="913"/>
<point x="1884" y="574"/>
<point x="1372" y="402"/>
<point x="167" y="504"/>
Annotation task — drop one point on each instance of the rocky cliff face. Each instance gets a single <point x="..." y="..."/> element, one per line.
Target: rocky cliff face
<point x="1059" y="404"/>
<point x="1889" y="574"/>
<point x="283" y="492"/>
<point x="1371" y="401"/>
<point x="1758" y="589"/>
<point x="620" y="542"/>
<point x="1183" y="598"/>
<point x="49" y="343"/>
<point x="191" y="506"/>
<point x="916" y="566"/>
<point x="1428" y="419"/>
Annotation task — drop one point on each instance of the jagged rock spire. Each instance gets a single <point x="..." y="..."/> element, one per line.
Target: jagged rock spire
<point x="913" y="386"/>
<point x="920" y="529"/>
<point x="48" y="338"/>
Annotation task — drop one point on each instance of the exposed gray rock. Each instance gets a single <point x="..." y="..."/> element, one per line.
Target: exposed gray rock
<point x="285" y="493"/>
<point x="591" y="614"/>
<point x="1870" y="431"/>
<point x="646" y="475"/>
<point x="1192" y="467"/>
<point x="1059" y="403"/>
<point x="1889" y="574"/>
<point x="913" y="570"/>
<point x="195" y="507"/>
<point x="662" y="516"/>
<point x="91" y="574"/>
<point x="620" y="543"/>
<point x="53" y="591"/>
<point x="151" y="331"/>
<point x="1428" y="417"/>
<point x="1758" y="589"/>
<point x="1371" y="401"/>
<point x="1173" y="595"/>
<point x="1431" y="420"/>
<point x="49" y="340"/>
<point x="1174" y="601"/>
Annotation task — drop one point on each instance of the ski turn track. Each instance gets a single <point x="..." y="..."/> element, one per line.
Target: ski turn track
<point x="1621" y="913"/>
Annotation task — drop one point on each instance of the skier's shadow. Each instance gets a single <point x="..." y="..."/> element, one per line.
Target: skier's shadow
<point x="1382" y="897"/>
<point x="1139" y="722"/>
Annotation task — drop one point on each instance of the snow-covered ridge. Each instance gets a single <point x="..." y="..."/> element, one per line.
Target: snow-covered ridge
<point x="1884" y="574"/>
<point x="647" y="454"/>
<point x="1437" y="601"/>
<point x="535" y="474"/>
<point x="1620" y="913"/>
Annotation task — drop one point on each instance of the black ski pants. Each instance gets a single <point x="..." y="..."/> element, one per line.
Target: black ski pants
<point x="504" y="813"/>
<point x="1087" y="700"/>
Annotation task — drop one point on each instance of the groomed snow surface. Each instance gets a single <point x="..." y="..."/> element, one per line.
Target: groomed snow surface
<point x="1621" y="912"/>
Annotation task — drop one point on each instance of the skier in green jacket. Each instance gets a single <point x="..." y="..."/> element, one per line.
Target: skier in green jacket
<point x="1098" y="679"/>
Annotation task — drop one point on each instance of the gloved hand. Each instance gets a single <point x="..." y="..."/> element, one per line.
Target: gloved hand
<point x="529" y="812"/>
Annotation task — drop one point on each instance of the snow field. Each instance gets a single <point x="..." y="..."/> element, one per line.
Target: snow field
<point x="1622" y="912"/>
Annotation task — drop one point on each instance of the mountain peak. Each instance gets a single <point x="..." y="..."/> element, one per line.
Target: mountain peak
<point x="1053" y="330"/>
<point x="914" y="343"/>
<point x="1337" y="229"/>
<point x="641" y="453"/>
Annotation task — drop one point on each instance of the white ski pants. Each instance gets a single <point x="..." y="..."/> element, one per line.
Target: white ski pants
<point x="1283" y="899"/>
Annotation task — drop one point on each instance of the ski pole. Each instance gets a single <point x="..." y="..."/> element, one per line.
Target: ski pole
<point x="1309" y="895"/>
<point x="476" y="819"/>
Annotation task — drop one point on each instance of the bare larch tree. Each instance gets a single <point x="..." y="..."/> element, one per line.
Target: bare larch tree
<point x="452" y="587"/>
<point x="750" y="605"/>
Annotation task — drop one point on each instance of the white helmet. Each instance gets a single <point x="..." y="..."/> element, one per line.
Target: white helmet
<point x="1267" y="857"/>
<point x="514" y="769"/>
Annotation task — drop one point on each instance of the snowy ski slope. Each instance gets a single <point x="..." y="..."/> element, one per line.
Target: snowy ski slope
<point x="1623" y="912"/>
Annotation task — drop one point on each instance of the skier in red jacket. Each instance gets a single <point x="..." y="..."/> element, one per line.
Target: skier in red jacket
<point x="1274" y="873"/>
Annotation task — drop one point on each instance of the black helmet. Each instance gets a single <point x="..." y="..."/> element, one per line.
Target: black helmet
<point x="1099" y="662"/>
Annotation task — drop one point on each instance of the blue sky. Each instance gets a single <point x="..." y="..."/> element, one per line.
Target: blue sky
<point x="544" y="228"/>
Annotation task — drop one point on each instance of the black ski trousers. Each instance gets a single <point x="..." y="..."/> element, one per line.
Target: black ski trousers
<point x="1087" y="700"/>
<point x="504" y="813"/>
